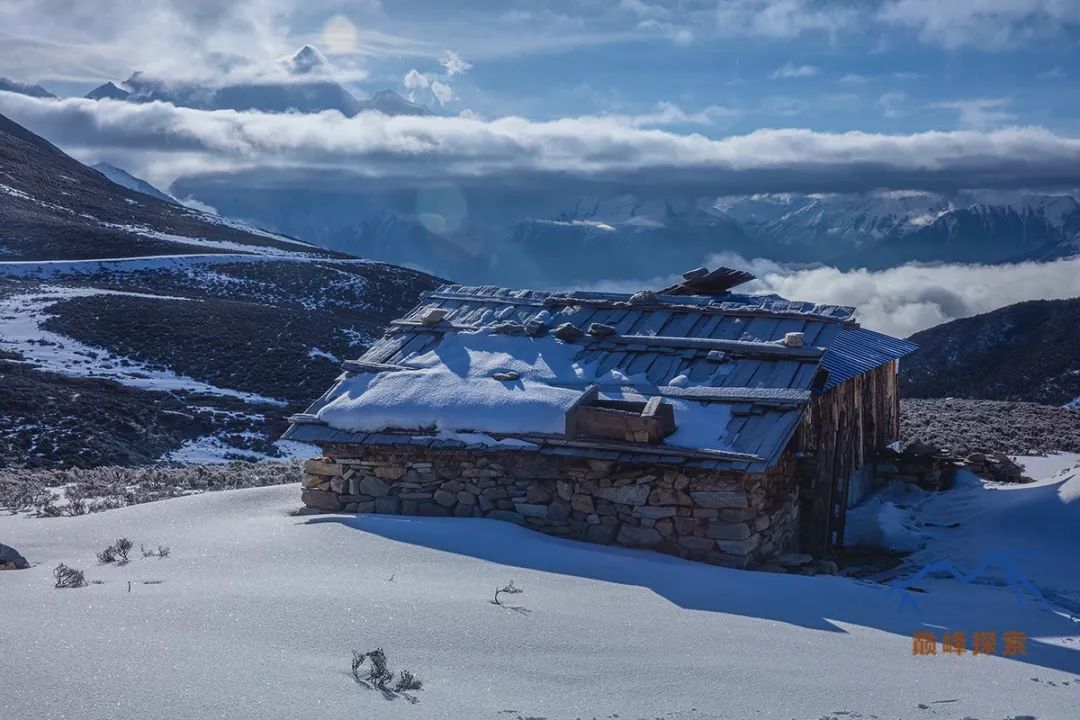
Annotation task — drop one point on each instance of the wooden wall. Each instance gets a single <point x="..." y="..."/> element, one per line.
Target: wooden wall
<point x="842" y="430"/>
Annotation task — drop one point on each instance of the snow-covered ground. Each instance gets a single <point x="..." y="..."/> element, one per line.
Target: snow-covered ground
<point x="21" y="318"/>
<point x="212" y="449"/>
<point x="256" y="612"/>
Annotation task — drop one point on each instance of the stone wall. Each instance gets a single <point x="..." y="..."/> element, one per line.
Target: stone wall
<point x="722" y="518"/>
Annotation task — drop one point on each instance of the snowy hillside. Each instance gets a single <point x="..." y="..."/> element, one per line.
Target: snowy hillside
<point x="254" y="597"/>
<point x="206" y="330"/>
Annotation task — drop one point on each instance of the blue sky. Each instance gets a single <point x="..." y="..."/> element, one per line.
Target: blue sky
<point x="715" y="67"/>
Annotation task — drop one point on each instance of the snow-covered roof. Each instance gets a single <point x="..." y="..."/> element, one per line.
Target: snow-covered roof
<point x="737" y="389"/>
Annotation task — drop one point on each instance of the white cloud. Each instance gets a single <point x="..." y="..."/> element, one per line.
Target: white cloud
<point x="442" y="92"/>
<point x="1054" y="73"/>
<point x="981" y="23"/>
<point x="454" y="64"/>
<point x="788" y="70"/>
<point x="184" y="140"/>
<point x="781" y="18"/>
<point x="853" y="79"/>
<point x="979" y="113"/>
<point x="903" y="300"/>
<point x="892" y="103"/>
<point x="339" y="35"/>
<point x="668" y="113"/>
<point x="415" y="79"/>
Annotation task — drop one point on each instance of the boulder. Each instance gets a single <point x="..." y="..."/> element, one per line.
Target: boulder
<point x="630" y="535"/>
<point x="320" y="500"/>
<point x="720" y="499"/>
<point x="506" y="515"/>
<point x="626" y="495"/>
<point x="387" y="505"/>
<point x="11" y="559"/>
<point x="446" y="499"/>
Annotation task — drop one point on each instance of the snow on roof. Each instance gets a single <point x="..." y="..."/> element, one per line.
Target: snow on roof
<point x="738" y="391"/>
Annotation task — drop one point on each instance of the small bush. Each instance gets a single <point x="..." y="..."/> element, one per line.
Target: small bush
<point x="117" y="552"/>
<point x="161" y="552"/>
<point x="508" y="589"/>
<point x="67" y="577"/>
<point x="407" y="681"/>
<point x="379" y="675"/>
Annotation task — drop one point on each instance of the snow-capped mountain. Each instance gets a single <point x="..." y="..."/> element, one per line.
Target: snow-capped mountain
<point x="13" y="86"/>
<point x="303" y="83"/>
<point x="126" y="179"/>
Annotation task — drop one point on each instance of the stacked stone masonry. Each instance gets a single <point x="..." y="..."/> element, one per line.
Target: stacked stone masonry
<point x="730" y="519"/>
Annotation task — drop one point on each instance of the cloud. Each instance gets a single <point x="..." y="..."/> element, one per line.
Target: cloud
<point x="782" y="18"/>
<point x="339" y="35"/>
<point x="513" y="149"/>
<point x="853" y="79"/>
<point x="899" y="301"/>
<point x="984" y="24"/>
<point x="979" y="113"/>
<point x="668" y="113"/>
<point x="454" y="64"/>
<point x="891" y="103"/>
<point x="443" y="93"/>
<point x="903" y="300"/>
<point x="1054" y="73"/>
<point x="788" y="70"/>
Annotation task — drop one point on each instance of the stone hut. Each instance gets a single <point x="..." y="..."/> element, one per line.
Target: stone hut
<point x="722" y="427"/>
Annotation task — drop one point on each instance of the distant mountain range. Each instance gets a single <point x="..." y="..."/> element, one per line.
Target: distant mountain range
<point x="304" y="84"/>
<point x="1029" y="351"/>
<point x="552" y="237"/>
<point x="8" y="85"/>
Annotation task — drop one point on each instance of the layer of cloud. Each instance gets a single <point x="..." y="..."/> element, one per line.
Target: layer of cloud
<point x="373" y="145"/>
<point x="903" y="300"/>
<point x="985" y="24"/>
<point x="979" y="113"/>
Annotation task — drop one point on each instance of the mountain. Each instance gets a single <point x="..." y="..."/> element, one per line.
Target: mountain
<point x="883" y="228"/>
<point x="13" y="86"/>
<point x="134" y="330"/>
<point x="1025" y="352"/>
<point x="499" y="233"/>
<point x="108" y="91"/>
<point x="126" y="179"/>
<point x="302" y="83"/>
<point x="389" y="102"/>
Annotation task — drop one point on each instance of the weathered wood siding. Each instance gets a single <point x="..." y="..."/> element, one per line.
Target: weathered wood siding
<point x="842" y="431"/>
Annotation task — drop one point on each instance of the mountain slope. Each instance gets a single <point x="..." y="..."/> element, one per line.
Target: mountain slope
<point x="206" y="332"/>
<point x="126" y="179"/>
<point x="14" y="86"/>
<point x="54" y="207"/>
<point x="1029" y="351"/>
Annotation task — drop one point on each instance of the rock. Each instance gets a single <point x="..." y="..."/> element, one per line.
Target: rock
<point x="466" y="498"/>
<point x="508" y="376"/>
<point x="737" y="514"/>
<point x="564" y="489"/>
<point x="453" y="486"/>
<point x="644" y="297"/>
<point x="720" y="530"/>
<point x="558" y="511"/>
<point x="828" y="567"/>
<point x="506" y="515"/>
<point x="365" y="507"/>
<point x="593" y="519"/>
<point x="320" y="500"/>
<point x="388" y="506"/>
<point x="11" y="559"/>
<point x="739" y="547"/>
<point x="390" y="472"/>
<point x="508" y="328"/>
<point x="446" y="499"/>
<point x="627" y="495"/>
<point x="601" y="330"/>
<point x="537" y="494"/>
<point x="339" y="484"/>
<point x="567" y="332"/>
<point x="583" y="503"/>
<point x="660" y="496"/>
<point x="791" y="560"/>
<point x="602" y="533"/>
<point x="685" y="526"/>
<point x="531" y="509"/>
<point x="431" y="510"/>
<point x="321" y="466"/>
<point x="462" y="510"/>
<point x="630" y="535"/>
<point x="494" y="493"/>
<point x="535" y="328"/>
<point x="314" y="481"/>
<point x="654" y="512"/>
<point x="720" y="499"/>
<point x="699" y="544"/>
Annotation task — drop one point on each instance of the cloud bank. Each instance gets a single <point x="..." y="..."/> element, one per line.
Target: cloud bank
<point x="902" y="300"/>
<point x="327" y="145"/>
